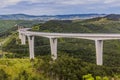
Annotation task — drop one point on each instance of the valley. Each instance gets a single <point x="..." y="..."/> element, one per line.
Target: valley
<point x="76" y="57"/>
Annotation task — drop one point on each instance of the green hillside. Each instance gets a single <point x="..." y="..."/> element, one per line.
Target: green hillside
<point x="102" y="25"/>
<point x="76" y="57"/>
<point x="7" y="26"/>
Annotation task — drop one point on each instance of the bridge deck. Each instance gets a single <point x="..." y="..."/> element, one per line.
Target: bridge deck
<point x="91" y="36"/>
<point x="97" y="37"/>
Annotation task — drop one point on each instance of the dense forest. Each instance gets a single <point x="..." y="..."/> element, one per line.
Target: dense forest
<point x="76" y="57"/>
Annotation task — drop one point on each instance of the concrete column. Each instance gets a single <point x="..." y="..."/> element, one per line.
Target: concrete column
<point x="53" y="45"/>
<point x="99" y="52"/>
<point x="31" y="46"/>
<point x="23" y="39"/>
<point x="20" y="35"/>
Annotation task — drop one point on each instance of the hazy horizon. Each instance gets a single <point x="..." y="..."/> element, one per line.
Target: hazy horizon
<point x="59" y="7"/>
<point x="51" y="14"/>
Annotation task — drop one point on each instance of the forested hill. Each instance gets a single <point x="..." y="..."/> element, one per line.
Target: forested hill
<point x="113" y="17"/>
<point x="95" y="25"/>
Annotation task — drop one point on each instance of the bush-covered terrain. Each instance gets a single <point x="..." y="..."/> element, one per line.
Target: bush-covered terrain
<point x="19" y="69"/>
<point x="76" y="57"/>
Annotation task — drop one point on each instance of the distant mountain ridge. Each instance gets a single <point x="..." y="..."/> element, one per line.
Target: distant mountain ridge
<point x="49" y="17"/>
<point x="113" y="17"/>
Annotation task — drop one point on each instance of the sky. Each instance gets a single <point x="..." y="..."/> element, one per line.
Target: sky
<point x="59" y="7"/>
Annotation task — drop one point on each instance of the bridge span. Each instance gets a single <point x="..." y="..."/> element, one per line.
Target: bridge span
<point x="98" y="38"/>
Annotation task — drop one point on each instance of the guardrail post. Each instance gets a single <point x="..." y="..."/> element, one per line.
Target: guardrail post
<point x="53" y="45"/>
<point x="31" y="46"/>
<point x="99" y="52"/>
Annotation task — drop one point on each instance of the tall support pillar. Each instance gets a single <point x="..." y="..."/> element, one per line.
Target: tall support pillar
<point x="31" y="46"/>
<point x="53" y="45"/>
<point x="23" y="39"/>
<point x="20" y="35"/>
<point x="99" y="52"/>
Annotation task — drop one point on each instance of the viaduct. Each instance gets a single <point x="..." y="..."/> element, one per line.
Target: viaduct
<point x="98" y="38"/>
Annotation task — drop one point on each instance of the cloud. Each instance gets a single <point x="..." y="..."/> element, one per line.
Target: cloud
<point x="6" y="3"/>
<point x="110" y="1"/>
<point x="78" y="2"/>
<point x="57" y="6"/>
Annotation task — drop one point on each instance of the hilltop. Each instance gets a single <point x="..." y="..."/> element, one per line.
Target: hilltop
<point x="113" y="16"/>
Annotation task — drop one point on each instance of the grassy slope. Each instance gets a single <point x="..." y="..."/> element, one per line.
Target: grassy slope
<point x="6" y="25"/>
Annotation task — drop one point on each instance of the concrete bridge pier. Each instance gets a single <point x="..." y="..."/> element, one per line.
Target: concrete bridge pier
<point x="23" y="39"/>
<point x="31" y="46"/>
<point x="20" y="35"/>
<point x="53" y="45"/>
<point x="99" y="52"/>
